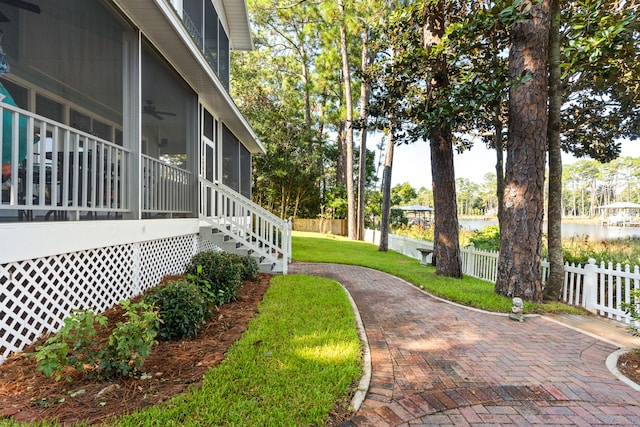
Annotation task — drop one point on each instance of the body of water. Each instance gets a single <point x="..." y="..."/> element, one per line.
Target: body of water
<point x="595" y="232"/>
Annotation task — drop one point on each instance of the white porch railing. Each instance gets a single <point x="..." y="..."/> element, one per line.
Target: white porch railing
<point x="56" y="171"/>
<point x="166" y="188"/>
<point x="246" y="222"/>
<point x="59" y="170"/>
<point x="598" y="288"/>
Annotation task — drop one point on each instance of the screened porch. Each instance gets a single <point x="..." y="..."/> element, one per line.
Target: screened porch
<point x="67" y="174"/>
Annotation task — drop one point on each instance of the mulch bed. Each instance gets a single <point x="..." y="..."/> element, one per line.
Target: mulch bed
<point x="629" y="365"/>
<point x="172" y="367"/>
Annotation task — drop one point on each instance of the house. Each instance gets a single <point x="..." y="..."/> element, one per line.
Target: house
<point x="123" y="154"/>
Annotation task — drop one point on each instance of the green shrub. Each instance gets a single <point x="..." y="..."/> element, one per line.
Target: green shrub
<point x="487" y="238"/>
<point x="250" y="268"/>
<point x="217" y="275"/>
<point x="72" y="345"/>
<point x="129" y="343"/>
<point x="182" y="309"/>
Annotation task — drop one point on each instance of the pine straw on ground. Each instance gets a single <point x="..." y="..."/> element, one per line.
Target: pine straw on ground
<point x="172" y="367"/>
<point x="629" y="365"/>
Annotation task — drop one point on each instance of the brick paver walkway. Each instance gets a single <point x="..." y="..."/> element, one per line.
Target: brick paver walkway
<point x="435" y="363"/>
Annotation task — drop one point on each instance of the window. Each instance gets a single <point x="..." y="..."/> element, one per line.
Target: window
<point x="50" y="109"/>
<point x="211" y="35"/>
<point x="169" y="111"/>
<point x="203" y="23"/>
<point x="230" y="160"/>
<point x="208" y="128"/>
<point x="245" y="172"/>
<point x="223" y="57"/>
<point x="236" y="164"/>
<point x="209" y="152"/>
<point x="80" y="121"/>
<point x="192" y="17"/>
<point x="19" y="94"/>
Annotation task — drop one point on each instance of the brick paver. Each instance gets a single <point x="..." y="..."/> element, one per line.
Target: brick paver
<point x="436" y="363"/>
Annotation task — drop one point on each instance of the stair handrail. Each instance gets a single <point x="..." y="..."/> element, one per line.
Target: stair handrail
<point x="282" y="225"/>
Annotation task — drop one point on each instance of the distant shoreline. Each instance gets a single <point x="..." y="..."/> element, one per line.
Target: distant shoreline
<point x="573" y="220"/>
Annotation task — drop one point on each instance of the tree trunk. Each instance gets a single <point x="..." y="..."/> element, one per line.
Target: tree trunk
<point x="555" y="281"/>
<point x="521" y="235"/>
<point x="341" y="161"/>
<point x="499" y="145"/>
<point x="386" y="192"/>
<point x="346" y="75"/>
<point x="446" y="229"/>
<point x="307" y="89"/>
<point x="362" y="173"/>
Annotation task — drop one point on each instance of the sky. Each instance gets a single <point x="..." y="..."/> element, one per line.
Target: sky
<point x="411" y="163"/>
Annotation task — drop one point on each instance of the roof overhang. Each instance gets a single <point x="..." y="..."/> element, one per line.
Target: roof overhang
<point x="620" y="205"/>
<point x="161" y="25"/>
<point x="238" y="24"/>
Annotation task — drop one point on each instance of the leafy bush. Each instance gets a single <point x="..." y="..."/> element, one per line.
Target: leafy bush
<point x="217" y="275"/>
<point x="250" y="268"/>
<point x="130" y="342"/>
<point x="414" y="232"/>
<point x="182" y="309"/>
<point x="72" y="346"/>
<point x="487" y="238"/>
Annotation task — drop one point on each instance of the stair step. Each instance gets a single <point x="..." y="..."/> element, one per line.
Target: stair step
<point x="229" y="239"/>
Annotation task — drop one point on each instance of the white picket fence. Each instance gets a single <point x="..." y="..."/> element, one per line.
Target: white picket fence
<point x="601" y="289"/>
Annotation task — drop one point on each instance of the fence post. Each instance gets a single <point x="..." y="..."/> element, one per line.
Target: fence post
<point x="590" y="291"/>
<point x="471" y="261"/>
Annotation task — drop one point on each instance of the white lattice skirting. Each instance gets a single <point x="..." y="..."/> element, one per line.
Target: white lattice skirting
<point x="37" y="295"/>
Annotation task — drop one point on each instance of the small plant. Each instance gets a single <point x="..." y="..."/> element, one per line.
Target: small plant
<point x="633" y="310"/>
<point x="182" y="308"/>
<point x="71" y="346"/>
<point x="217" y="275"/>
<point x="131" y="341"/>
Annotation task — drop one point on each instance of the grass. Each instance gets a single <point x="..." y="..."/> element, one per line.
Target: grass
<point x="298" y="357"/>
<point x="315" y="247"/>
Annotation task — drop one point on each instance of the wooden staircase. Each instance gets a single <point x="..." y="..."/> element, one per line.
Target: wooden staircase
<point x="235" y="224"/>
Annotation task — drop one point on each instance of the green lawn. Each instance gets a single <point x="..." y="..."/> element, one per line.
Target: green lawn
<point x="316" y="247"/>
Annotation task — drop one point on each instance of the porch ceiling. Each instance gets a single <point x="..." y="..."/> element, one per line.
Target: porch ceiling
<point x="162" y="26"/>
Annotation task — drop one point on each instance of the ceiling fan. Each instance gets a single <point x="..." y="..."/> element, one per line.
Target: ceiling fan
<point x="31" y="7"/>
<point x="151" y="110"/>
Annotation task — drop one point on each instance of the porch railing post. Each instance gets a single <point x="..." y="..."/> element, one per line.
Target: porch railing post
<point x="590" y="285"/>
